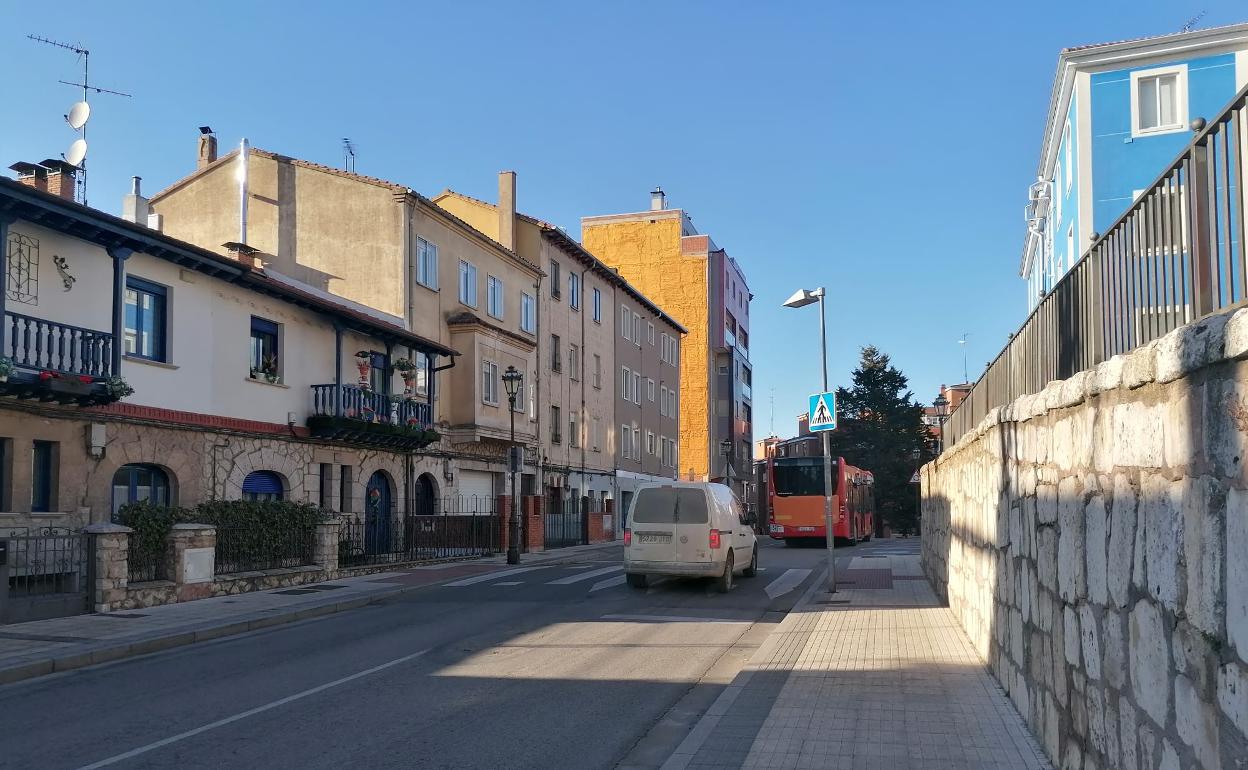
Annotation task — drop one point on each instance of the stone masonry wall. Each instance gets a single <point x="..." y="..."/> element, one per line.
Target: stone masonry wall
<point x="1092" y="539"/>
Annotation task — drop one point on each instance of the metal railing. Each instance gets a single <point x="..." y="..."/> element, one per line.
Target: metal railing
<point x="433" y="528"/>
<point x="356" y="403"/>
<point x="249" y="549"/>
<point x="1176" y="255"/>
<point x="146" y="559"/>
<point x="564" y="522"/>
<point x="38" y="344"/>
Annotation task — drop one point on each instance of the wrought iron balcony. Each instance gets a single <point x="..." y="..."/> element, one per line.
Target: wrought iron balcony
<point x="360" y="415"/>
<point x="56" y="361"/>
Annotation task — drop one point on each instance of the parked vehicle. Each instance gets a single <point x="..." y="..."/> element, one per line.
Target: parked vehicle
<point x="689" y="530"/>
<point x="795" y="487"/>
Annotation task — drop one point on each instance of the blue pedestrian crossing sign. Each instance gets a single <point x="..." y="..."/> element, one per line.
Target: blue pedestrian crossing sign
<point x="822" y="412"/>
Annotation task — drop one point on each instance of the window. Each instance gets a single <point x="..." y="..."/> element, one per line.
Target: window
<point x="626" y="323"/>
<point x="650" y="389"/>
<point x="747" y="412"/>
<point x="574" y="362"/>
<point x="379" y="372"/>
<point x="426" y="263"/>
<point x="344" y="488"/>
<point x="1069" y="167"/>
<point x="139" y="483"/>
<point x="1070" y="246"/>
<point x="747" y="376"/>
<point x="421" y="386"/>
<point x="669" y="452"/>
<point x="146" y="320"/>
<point x="637" y="329"/>
<point x="743" y="340"/>
<point x="663" y="401"/>
<point x="650" y="333"/>
<point x="626" y="435"/>
<point x="637" y="388"/>
<point x="1158" y="100"/>
<point x="262" y="486"/>
<point x="42" y="476"/>
<point x="556" y="355"/>
<point x="597" y="308"/>
<point x="556" y="422"/>
<point x="574" y="291"/>
<point x="528" y="313"/>
<point x="595" y="434"/>
<point x="555" y="279"/>
<point x="489" y="383"/>
<point x="494" y="296"/>
<point x="597" y="371"/>
<point x="626" y="381"/>
<point x="520" y="399"/>
<point x="636" y="443"/>
<point x="574" y="429"/>
<point x="671" y="403"/>
<point x="326" y="497"/>
<point x="467" y="283"/>
<point x="650" y="447"/>
<point x="264" y="360"/>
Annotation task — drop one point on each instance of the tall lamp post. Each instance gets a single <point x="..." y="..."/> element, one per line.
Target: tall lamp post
<point x="802" y="298"/>
<point x="941" y="407"/>
<point x="512" y="380"/>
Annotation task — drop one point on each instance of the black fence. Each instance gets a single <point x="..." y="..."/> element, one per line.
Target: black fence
<point x="1176" y="255"/>
<point x="146" y="558"/>
<point x="565" y="522"/>
<point x="435" y="528"/>
<point x="249" y="549"/>
<point x="44" y="574"/>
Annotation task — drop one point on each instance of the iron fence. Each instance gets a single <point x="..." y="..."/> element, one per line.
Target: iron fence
<point x="430" y="528"/>
<point x="1176" y="255"/>
<point x="146" y="559"/>
<point x="249" y="549"/>
<point x="564" y="521"/>
<point x="44" y="574"/>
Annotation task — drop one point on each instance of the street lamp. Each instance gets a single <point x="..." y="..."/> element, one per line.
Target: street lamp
<point x="512" y="380"/>
<point x="941" y="407"/>
<point x="802" y="298"/>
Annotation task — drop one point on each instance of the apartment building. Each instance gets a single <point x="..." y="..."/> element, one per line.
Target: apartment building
<point x="660" y="252"/>
<point x="594" y="442"/>
<point x="383" y="246"/>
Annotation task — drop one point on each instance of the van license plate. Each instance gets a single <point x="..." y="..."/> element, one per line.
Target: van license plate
<point x="654" y="537"/>
<point x="805" y="529"/>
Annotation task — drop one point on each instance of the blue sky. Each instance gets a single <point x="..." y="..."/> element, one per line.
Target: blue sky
<point x="883" y="150"/>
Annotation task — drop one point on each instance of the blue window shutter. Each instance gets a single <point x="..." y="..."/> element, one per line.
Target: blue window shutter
<point x="262" y="482"/>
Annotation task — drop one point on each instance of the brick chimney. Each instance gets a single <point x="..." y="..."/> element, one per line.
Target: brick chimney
<point x="207" y="147"/>
<point x="241" y="252"/>
<point x="31" y="175"/>
<point x="61" y="178"/>
<point x="507" y="209"/>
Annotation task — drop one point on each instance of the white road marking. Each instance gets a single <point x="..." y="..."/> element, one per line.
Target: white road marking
<point x="472" y="581"/>
<point x="584" y="576"/>
<point x="248" y="713"/>
<point x="674" y="618"/>
<point x="510" y="583"/>
<point x="608" y="583"/>
<point x="787" y="582"/>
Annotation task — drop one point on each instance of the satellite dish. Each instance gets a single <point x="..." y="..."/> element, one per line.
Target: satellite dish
<point x="78" y="115"/>
<point x="77" y="152"/>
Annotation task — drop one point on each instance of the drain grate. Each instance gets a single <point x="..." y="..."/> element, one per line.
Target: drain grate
<point x="295" y="592"/>
<point x="322" y="587"/>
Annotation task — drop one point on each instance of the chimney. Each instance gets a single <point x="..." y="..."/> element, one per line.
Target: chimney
<point x="507" y="209"/>
<point x="658" y="199"/>
<point x="61" y="178"/>
<point x="241" y="252"/>
<point x="207" y="147"/>
<point x="31" y="175"/>
<point x="134" y="207"/>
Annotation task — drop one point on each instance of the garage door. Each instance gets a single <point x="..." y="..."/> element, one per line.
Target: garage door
<point x="476" y="492"/>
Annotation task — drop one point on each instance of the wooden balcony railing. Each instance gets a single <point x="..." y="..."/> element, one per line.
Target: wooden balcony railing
<point x="37" y="344"/>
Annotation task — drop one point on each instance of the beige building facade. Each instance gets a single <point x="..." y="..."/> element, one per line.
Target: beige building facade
<point x="386" y="248"/>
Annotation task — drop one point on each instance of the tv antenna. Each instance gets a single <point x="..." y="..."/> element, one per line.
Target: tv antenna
<point x="348" y="155"/>
<point x="1192" y="22"/>
<point x="773" y="410"/>
<point x="80" y="112"/>
<point x="965" y="377"/>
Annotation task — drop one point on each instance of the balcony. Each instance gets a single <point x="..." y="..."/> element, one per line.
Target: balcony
<point x="56" y="362"/>
<point x="358" y="415"/>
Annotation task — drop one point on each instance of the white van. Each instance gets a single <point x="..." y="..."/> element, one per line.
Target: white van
<point x="688" y="530"/>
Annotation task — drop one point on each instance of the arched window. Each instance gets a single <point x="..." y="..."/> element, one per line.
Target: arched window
<point x="262" y="486"/>
<point x="136" y="483"/>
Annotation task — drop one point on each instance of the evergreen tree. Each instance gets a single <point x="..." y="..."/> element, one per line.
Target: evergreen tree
<point x="880" y="429"/>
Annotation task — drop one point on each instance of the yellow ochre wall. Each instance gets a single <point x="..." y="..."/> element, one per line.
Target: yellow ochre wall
<point x="648" y="256"/>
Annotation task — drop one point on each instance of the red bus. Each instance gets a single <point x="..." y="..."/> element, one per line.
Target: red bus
<point x="795" y="497"/>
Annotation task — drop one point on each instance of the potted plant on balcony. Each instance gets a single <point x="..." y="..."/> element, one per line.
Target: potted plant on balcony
<point x="6" y="368"/>
<point x="268" y="370"/>
<point x="407" y="370"/>
<point x="363" y="362"/>
<point x="117" y="388"/>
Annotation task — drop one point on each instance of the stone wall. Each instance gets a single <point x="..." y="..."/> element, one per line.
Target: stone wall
<point x="1091" y="539"/>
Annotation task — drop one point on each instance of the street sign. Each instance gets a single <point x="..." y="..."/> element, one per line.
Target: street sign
<point x="822" y="412"/>
<point x="915" y="478"/>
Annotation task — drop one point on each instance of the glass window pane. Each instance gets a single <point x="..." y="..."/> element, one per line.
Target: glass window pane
<point x="1147" y="105"/>
<point x="1168" y="87"/>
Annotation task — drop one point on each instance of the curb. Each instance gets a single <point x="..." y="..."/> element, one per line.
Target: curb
<point x="107" y="652"/>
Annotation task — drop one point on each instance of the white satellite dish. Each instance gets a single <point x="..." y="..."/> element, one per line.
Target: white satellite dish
<point x="78" y="115"/>
<point x="77" y="152"/>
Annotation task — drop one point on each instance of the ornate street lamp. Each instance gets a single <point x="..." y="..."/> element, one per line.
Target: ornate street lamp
<point x="512" y="380"/>
<point x="941" y="407"/>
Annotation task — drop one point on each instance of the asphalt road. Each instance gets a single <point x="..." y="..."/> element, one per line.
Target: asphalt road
<point x="557" y="666"/>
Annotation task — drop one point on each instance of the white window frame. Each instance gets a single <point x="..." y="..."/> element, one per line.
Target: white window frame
<point x="626" y="322"/>
<point x="597" y="300"/>
<point x="1180" y="100"/>
<point x="528" y="313"/>
<point x="650" y="390"/>
<point x="595" y="434"/>
<point x="574" y="428"/>
<point x="468" y="284"/>
<point x="626" y="433"/>
<point x="1068" y="153"/>
<point x="574" y="290"/>
<point x="494" y="302"/>
<point x="651" y="449"/>
<point x="598" y="371"/>
<point x="426" y="263"/>
<point x="663" y="401"/>
<point x="637" y="388"/>
<point x="637" y="329"/>
<point x="489" y="382"/>
<point x="636" y="443"/>
<point x="650" y="333"/>
<point x="574" y="362"/>
<point x="626" y="377"/>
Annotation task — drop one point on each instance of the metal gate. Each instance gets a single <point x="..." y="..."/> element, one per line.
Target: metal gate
<point x="44" y="575"/>
<point x="564" y="520"/>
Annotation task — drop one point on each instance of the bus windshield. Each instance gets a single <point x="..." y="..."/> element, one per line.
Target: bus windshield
<point x="801" y="477"/>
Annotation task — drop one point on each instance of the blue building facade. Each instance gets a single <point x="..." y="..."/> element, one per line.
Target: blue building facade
<point x="1118" y="116"/>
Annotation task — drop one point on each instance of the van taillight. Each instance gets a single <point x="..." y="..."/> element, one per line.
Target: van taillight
<point x="628" y="537"/>
<point x="714" y="538"/>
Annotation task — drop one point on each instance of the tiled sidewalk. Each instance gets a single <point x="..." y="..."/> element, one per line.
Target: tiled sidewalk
<point x="887" y="680"/>
<point x="46" y="646"/>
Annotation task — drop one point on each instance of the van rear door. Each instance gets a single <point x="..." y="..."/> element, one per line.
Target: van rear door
<point x="670" y="523"/>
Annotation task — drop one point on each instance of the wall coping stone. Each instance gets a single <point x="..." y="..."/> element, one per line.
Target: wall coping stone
<point x="107" y="528"/>
<point x="194" y="527"/>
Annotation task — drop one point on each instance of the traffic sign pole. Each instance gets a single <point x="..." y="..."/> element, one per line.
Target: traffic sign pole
<point x="828" y="523"/>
